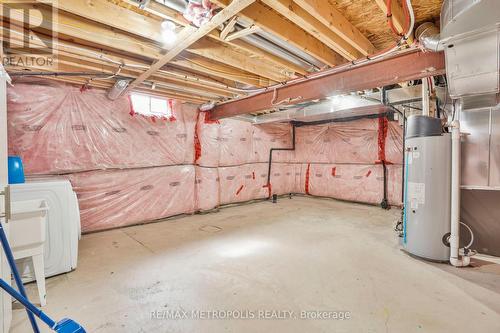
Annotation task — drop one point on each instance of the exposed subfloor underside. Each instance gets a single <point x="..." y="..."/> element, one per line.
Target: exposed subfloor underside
<point x="299" y="254"/>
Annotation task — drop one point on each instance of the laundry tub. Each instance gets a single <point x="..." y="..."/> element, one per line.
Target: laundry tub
<point x="28" y="225"/>
<point x="27" y="236"/>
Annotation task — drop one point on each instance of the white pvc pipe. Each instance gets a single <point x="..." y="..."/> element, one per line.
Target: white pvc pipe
<point x="455" y="258"/>
<point x="425" y="97"/>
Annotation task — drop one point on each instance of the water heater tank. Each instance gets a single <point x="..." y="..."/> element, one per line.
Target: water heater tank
<point x="427" y="189"/>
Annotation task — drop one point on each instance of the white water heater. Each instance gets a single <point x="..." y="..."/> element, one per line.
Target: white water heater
<point x="427" y="189"/>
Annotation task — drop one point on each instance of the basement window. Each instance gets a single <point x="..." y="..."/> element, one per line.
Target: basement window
<point x="150" y="106"/>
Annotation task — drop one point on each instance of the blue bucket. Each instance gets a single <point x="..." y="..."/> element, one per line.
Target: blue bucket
<point x="16" y="171"/>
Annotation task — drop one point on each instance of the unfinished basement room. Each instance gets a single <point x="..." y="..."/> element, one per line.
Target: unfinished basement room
<point x="250" y="166"/>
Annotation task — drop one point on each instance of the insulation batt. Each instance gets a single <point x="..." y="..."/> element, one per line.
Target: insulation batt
<point x="56" y="128"/>
<point x="128" y="169"/>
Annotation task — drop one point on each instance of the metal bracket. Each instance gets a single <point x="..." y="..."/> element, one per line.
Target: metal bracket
<point x="6" y="193"/>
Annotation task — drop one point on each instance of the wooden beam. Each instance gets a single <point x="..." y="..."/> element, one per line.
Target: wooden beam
<point x="160" y="10"/>
<point x="398" y="15"/>
<point x="86" y="65"/>
<point x="400" y="68"/>
<point x="228" y="28"/>
<point x="93" y="10"/>
<point x="309" y="23"/>
<point x="102" y="59"/>
<point x="69" y="29"/>
<point x="242" y="33"/>
<point x="70" y="68"/>
<point x="326" y="12"/>
<point x="270" y="21"/>
<point x="212" y="50"/>
<point x="290" y="69"/>
<point x="189" y="36"/>
<point x="194" y="62"/>
<point x="168" y="13"/>
<point x="112" y="15"/>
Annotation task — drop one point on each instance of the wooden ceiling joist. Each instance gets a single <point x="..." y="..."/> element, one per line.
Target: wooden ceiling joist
<point x="112" y="15"/>
<point x="189" y="36"/>
<point x="160" y="10"/>
<point x="197" y="63"/>
<point x="214" y="50"/>
<point x="113" y="39"/>
<point x="164" y="11"/>
<point x="151" y="28"/>
<point x="326" y="13"/>
<point x="228" y="28"/>
<point x="112" y="61"/>
<point x="270" y="21"/>
<point x="309" y="23"/>
<point x="241" y="33"/>
<point x="398" y="16"/>
<point x="98" y="36"/>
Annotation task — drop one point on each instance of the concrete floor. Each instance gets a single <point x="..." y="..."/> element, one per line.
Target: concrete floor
<point x="302" y="254"/>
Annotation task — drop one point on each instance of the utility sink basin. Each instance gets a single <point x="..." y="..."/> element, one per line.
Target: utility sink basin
<point x="28" y="224"/>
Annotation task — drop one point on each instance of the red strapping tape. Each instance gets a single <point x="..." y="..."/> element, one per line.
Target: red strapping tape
<point x="132" y="111"/>
<point x="208" y="120"/>
<point x="239" y="190"/>
<point x="307" y="178"/>
<point x="382" y="136"/>
<point x="197" y="143"/>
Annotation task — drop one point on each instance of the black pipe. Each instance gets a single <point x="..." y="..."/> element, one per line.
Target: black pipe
<point x="385" y="203"/>
<point x="277" y="149"/>
<point x="343" y="119"/>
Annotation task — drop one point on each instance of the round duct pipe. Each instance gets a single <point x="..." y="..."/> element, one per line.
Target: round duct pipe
<point x="277" y="51"/>
<point x="428" y="35"/>
<point x="178" y="5"/>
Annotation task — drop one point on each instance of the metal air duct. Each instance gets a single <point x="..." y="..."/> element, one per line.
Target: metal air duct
<point x="470" y="35"/>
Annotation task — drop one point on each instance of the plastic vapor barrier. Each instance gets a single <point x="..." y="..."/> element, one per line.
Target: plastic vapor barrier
<point x="128" y="169"/>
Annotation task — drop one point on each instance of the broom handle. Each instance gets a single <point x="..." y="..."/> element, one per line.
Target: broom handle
<point x="27" y="304"/>
<point x="17" y="278"/>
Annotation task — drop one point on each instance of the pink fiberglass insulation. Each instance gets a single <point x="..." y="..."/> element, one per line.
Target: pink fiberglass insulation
<point x="232" y="142"/>
<point x="393" y="145"/>
<point x="115" y="198"/>
<point x="354" y="182"/>
<point x="235" y="142"/>
<point x="207" y="188"/>
<point x="340" y="142"/>
<point x="267" y="136"/>
<point x="56" y="128"/>
<point x="137" y="170"/>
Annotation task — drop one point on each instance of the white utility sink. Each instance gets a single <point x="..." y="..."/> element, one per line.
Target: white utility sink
<point x="27" y="228"/>
<point x="28" y="224"/>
